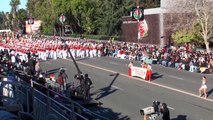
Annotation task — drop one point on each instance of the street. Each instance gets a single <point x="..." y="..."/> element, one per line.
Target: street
<point x="123" y="96"/>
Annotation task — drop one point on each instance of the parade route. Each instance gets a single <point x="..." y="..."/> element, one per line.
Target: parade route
<point x="123" y="96"/>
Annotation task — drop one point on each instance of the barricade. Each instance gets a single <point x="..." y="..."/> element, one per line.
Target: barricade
<point x="42" y="105"/>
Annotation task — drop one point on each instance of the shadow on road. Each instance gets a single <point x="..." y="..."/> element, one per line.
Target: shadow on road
<point x="109" y="113"/>
<point x="210" y="92"/>
<point x="180" y="117"/>
<point x="53" y="70"/>
<point x="106" y="90"/>
<point x="81" y="59"/>
<point x="156" y="76"/>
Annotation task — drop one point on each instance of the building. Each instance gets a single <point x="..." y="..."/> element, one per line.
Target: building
<point x="153" y="19"/>
<point x="162" y="22"/>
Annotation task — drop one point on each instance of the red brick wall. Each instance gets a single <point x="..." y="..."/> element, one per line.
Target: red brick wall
<point x="153" y="22"/>
<point x="130" y="30"/>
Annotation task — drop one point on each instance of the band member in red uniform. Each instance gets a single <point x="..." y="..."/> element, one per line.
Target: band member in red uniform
<point x="129" y="68"/>
<point x="149" y="73"/>
<point x="144" y="65"/>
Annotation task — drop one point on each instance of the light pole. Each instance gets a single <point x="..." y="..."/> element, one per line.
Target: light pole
<point x="31" y="21"/>
<point x="138" y="24"/>
<point x="138" y="18"/>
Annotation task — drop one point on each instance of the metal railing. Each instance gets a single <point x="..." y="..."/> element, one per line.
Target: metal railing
<point x="42" y="103"/>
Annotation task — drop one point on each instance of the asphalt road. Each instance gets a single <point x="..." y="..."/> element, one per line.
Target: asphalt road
<point x="124" y="96"/>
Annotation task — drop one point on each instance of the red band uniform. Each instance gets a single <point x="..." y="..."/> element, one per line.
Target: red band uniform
<point x="149" y="73"/>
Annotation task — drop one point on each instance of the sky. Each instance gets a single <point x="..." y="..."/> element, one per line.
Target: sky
<point x="5" y="5"/>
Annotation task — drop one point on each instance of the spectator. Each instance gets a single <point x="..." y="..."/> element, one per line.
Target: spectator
<point x="165" y="112"/>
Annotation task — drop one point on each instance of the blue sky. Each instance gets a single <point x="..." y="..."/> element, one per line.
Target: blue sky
<point x="5" y="5"/>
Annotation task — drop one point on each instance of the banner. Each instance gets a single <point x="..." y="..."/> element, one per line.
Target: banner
<point x="33" y="28"/>
<point x="138" y="72"/>
<point x="142" y="29"/>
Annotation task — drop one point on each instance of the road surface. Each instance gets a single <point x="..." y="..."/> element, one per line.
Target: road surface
<point x="123" y="96"/>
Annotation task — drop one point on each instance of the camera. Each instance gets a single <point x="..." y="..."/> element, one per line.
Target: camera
<point x="78" y="76"/>
<point x="154" y="109"/>
<point x="147" y="111"/>
<point x="156" y="105"/>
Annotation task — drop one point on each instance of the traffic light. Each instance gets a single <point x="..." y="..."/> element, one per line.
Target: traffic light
<point x="137" y="13"/>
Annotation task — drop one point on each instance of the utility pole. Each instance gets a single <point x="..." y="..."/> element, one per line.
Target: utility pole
<point x="138" y="21"/>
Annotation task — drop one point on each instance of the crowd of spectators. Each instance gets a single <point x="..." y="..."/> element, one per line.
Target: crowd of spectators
<point x="184" y="57"/>
<point x="20" y="58"/>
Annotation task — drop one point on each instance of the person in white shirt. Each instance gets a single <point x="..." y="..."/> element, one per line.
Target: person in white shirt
<point x="203" y="87"/>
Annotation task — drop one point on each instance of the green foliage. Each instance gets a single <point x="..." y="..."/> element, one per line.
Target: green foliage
<point x="188" y="35"/>
<point x="85" y="11"/>
<point x="2" y="20"/>
<point x="102" y="17"/>
<point x="22" y="14"/>
<point x="110" y="17"/>
<point x="198" y="37"/>
<point x="14" y="4"/>
<point x="14" y="8"/>
<point x="183" y="36"/>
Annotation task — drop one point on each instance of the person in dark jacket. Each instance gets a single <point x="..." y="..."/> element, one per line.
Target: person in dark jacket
<point x="86" y="87"/>
<point x="31" y="63"/>
<point x="165" y="112"/>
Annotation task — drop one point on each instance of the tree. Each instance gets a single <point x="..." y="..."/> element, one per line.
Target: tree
<point x="14" y="4"/>
<point x="84" y="16"/>
<point x="183" y="14"/>
<point x="110" y="15"/>
<point x="85" y="12"/>
<point x="186" y="36"/>
<point x="31" y="6"/>
<point x="2" y="16"/>
<point x="22" y="17"/>
<point x="205" y="17"/>
<point x="14" y="7"/>
<point x="179" y="16"/>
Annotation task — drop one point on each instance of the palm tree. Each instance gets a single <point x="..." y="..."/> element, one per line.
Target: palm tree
<point x="14" y="8"/>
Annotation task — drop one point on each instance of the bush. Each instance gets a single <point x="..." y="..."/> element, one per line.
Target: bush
<point x="93" y="37"/>
<point x="184" y="36"/>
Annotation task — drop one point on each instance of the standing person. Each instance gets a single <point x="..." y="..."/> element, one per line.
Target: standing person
<point x="37" y="68"/>
<point x="130" y="56"/>
<point x="65" y="77"/>
<point x="149" y="73"/>
<point x="129" y="68"/>
<point x="165" y="112"/>
<point x="144" y="65"/>
<point x="31" y="63"/>
<point x="87" y="85"/>
<point x="203" y="87"/>
<point x="60" y="81"/>
<point x="13" y="57"/>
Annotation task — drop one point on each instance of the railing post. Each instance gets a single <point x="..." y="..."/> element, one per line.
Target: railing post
<point x="73" y="110"/>
<point x="28" y="103"/>
<point x="33" y="107"/>
<point x="48" y="101"/>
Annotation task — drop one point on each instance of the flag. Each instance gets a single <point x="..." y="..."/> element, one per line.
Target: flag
<point x="142" y="29"/>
